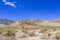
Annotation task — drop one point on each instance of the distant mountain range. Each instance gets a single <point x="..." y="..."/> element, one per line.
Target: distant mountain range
<point x="30" y="22"/>
<point x="6" y="21"/>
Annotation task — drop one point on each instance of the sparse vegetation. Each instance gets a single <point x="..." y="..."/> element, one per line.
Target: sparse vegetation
<point x="28" y="30"/>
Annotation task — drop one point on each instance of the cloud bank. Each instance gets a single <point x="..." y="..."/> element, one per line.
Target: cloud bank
<point x="9" y="3"/>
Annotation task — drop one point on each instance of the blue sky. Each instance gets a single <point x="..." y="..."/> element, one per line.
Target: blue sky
<point x="29" y="9"/>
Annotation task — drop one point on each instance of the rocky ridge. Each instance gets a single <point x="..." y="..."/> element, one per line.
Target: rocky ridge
<point x="31" y="30"/>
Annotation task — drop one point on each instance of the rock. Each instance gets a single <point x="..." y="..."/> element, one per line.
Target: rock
<point x="53" y="37"/>
<point x="18" y="34"/>
<point x="43" y="36"/>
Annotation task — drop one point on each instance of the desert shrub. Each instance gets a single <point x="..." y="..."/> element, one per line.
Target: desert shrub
<point x="58" y="35"/>
<point x="43" y="29"/>
<point x="49" y="34"/>
<point x="23" y="36"/>
<point x="31" y="34"/>
<point x="9" y="33"/>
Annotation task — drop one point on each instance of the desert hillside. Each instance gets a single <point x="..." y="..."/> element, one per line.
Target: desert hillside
<point x="30" y="29"/>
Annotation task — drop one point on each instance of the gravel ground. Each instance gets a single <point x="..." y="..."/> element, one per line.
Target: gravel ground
<point x="8" y="39"/>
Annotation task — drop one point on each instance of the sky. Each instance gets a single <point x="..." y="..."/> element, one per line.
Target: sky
<point x="29" y="9"/>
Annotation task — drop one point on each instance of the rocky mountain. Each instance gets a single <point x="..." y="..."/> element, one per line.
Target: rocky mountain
<point x="37" y="22"/>
<point x="30" y="29"/>
<point x="30" y="22"/>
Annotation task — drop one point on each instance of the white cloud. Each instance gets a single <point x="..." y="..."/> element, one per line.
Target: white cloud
<point x="9" y="3"/>
<point x="4" y="0"/>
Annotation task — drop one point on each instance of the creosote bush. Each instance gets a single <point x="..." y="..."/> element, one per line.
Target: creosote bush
<point x="9" y="33"/>
<point x="23" y="36"/>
